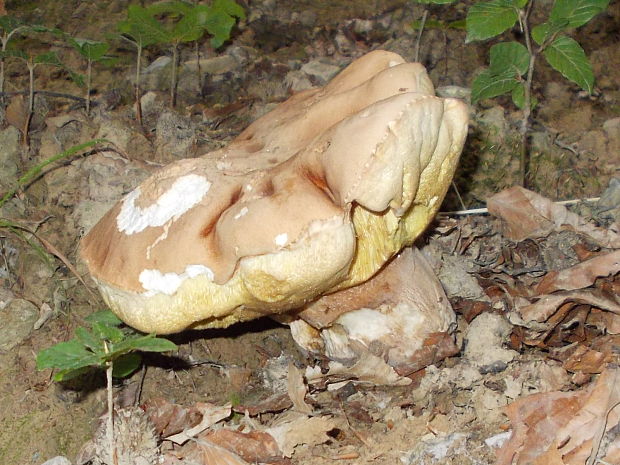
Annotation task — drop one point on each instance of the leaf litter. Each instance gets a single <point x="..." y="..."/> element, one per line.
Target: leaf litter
<point x="535" y="380"/>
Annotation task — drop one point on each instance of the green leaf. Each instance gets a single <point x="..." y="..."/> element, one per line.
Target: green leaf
<point x="105" y="317"/>
<point x="89" y="340"/>
<point x="509" y="56"/>
<point x="126" y="364"/>
<point x="567" y="56"/>
<point x="146" y="343"/>
<point x="91" y="49"/>
<point x="9" y="24"/>
<point x="518" y="97"/>
<point x="219" y="25"/>
<point x="545" y="31"/>
<point x="229" y="7"/>
<point x="488" y="84"/>
<point x="519" y="3"/>
<point x="143" y="27"/>
<point x="188" y="28"/>
<point x="47" y="58"/>
<point x="11" y="53"/>
<point x="109" y="333"/>
<point x="69" y="355"/>
<point x="435" y="2"/>
<point x="64" y="375"/>
<point x="577" y="12"/>
<point x="488" y="19"/>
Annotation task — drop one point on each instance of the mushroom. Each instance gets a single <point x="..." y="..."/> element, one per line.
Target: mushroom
<point x="314" y="197"/>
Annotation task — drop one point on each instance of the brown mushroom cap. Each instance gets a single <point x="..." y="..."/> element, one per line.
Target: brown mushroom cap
<point x="314" y="196"/>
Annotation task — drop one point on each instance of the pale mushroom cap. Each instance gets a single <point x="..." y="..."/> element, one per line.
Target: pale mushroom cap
<point x="315" y="196"/>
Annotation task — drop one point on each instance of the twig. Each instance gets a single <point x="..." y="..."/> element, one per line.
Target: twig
<point x="47" y="93"/>
<point x="482" y="211"/>
<point x="419" y="38"/>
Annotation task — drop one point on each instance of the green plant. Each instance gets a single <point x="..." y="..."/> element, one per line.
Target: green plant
<point x="91" y="51"/>
<point x="107" y="345"/>
<point x="9" y="26"/>
<point x="511" y="64"/>
<point x="33" y="173"/>
<point x="422" y="23"/>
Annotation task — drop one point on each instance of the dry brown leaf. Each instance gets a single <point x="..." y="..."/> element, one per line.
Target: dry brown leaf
<point x="253" y="447"/>
<point x="529" y="215"/>
<point x="169" y="418"/>
<point x="547" y="305"/>
<point x="202" y="452"/>
<point x="592" y="360"/>
<point x="562" y="428"/>
<point x="299" y="429"/>
<point x="297" y="389"/>
<point x="582" y="275"/>
<point x="211" y="414"/>
<point x="275" y="403"/>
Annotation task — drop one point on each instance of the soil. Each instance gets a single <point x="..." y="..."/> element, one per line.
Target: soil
<point x="449" y="410"/>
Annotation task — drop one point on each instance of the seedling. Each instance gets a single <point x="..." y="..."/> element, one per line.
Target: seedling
<point x="108" y="346"/>
<point x="511" y="66"/>
<point x="9" y="26"/>
<point x="91" y="51"/>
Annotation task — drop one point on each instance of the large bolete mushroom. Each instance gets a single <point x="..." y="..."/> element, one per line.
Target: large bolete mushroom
<point x="314" y="197"/>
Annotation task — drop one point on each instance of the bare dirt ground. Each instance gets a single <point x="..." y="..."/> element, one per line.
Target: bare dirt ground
<point x="525" y="327"/>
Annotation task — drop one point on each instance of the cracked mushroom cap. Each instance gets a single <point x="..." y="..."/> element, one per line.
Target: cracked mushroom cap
<point x="313" y="197"/>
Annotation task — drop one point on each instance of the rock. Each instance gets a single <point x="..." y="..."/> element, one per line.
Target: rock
<point x="484" y="342"/>
<point x="176" y="137"/>
<point x="297" y="81"/>
<point x="214" y="65"/>
<point x="9" y="157"/>
<point x="321" y="72"/>
<point x="18" y="319"/>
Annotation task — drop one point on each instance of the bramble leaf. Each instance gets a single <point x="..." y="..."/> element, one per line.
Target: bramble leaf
<point x="576" y="12"/>
<point x="488" y="19"/>
<point x="488" y="84"/>
<point x="89" y="340"/>
<point x="109" y="333"/>
<point x="518" y="97"/>
<point x="105" y="317"/>
<point x="567" y="57"/>
<point x="69" y="355"/>
<point x="126" y="364"/>
<point x="142" y="27"/>
<point x="509" y="55"/>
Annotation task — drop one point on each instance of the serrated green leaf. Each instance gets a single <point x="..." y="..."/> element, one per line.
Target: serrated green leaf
<point x="489" y="85"/>
<point x="105" y="317"/>
<point x="109" y="333"/>
<point x="229" y="7"/>
<point x="90" y="49"/>
<point x="488" y="19"/>
<point x="65" y="375"/>
<point x="509" y="56"/>
<point x="545" y="31"/>
<point x="143" y="27"/>
<point x="47" y="58"/>
<point x="577" y="12"/>
<point x="219" y="24"/>
<point x="89" y="340"/>
<point x="188" y="28"/>
<point x="155" y="344"/>
<point x="9" y="23"/>
<point x="126" y="364"/>
<point x="567" y="57"/>
<point x="518" y="97"/>
<point x="69" y="355"/>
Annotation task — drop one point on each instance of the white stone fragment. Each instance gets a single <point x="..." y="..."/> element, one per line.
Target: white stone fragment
<point x="186" y="192"/>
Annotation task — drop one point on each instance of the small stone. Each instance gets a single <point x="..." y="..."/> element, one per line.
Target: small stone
<point x="18" y="319"/>
<point x="484" y="340"/>
<point x="59" y="460"/>
<point x="322" y="72"/>
<point x="9" y="157"/>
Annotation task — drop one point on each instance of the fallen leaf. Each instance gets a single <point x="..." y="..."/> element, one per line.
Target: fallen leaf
<point x="562" y="428"/>
<point x="202" y="452"/>
<point x="253" y="447"/>
<point x="582" y="275"/>
<point x="169" y="418"/>
<point x="274" y="403"/>
<point x="529" y="215"/>
<point x="211" y="414"/>
<point x="297" y="429"/>
<point x="297" y="389"/>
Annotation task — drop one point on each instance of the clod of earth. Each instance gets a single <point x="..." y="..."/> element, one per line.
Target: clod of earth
<point x="315" y="197"/>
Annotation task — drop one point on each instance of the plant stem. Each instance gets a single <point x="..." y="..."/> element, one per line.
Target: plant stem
<point x="35" y="170"/>
<point x="26" y="128"/>
<point x="419" y="38"/>
<point x="527" y="97"/>
<point x="198" y="71"/>
<point x="88" y="81"/>
<point x="138" y="96"/>
<point x="110" y="426"/>
<point x="173" y="82"/>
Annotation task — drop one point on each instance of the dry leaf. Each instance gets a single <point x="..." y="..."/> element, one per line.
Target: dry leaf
<point x="202" y="452"/>
<point x="562" y="428"/>
<point x="582" y="275"/>
<point x="211" y="414"/>
<point x="301" y="429"/>
<point x="530" y="215"/>
<point x="275" y="403"/>
<point x="169" y="418"/>
<point x="297" y="389"/>
<point x="253" y="447"/>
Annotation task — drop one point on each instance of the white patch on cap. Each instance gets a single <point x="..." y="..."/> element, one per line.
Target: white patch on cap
<point x="186" y="192"/>
<point x="156" y="282"/>
<point x="281" y="239"/>
<point x="241" y="213"/>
